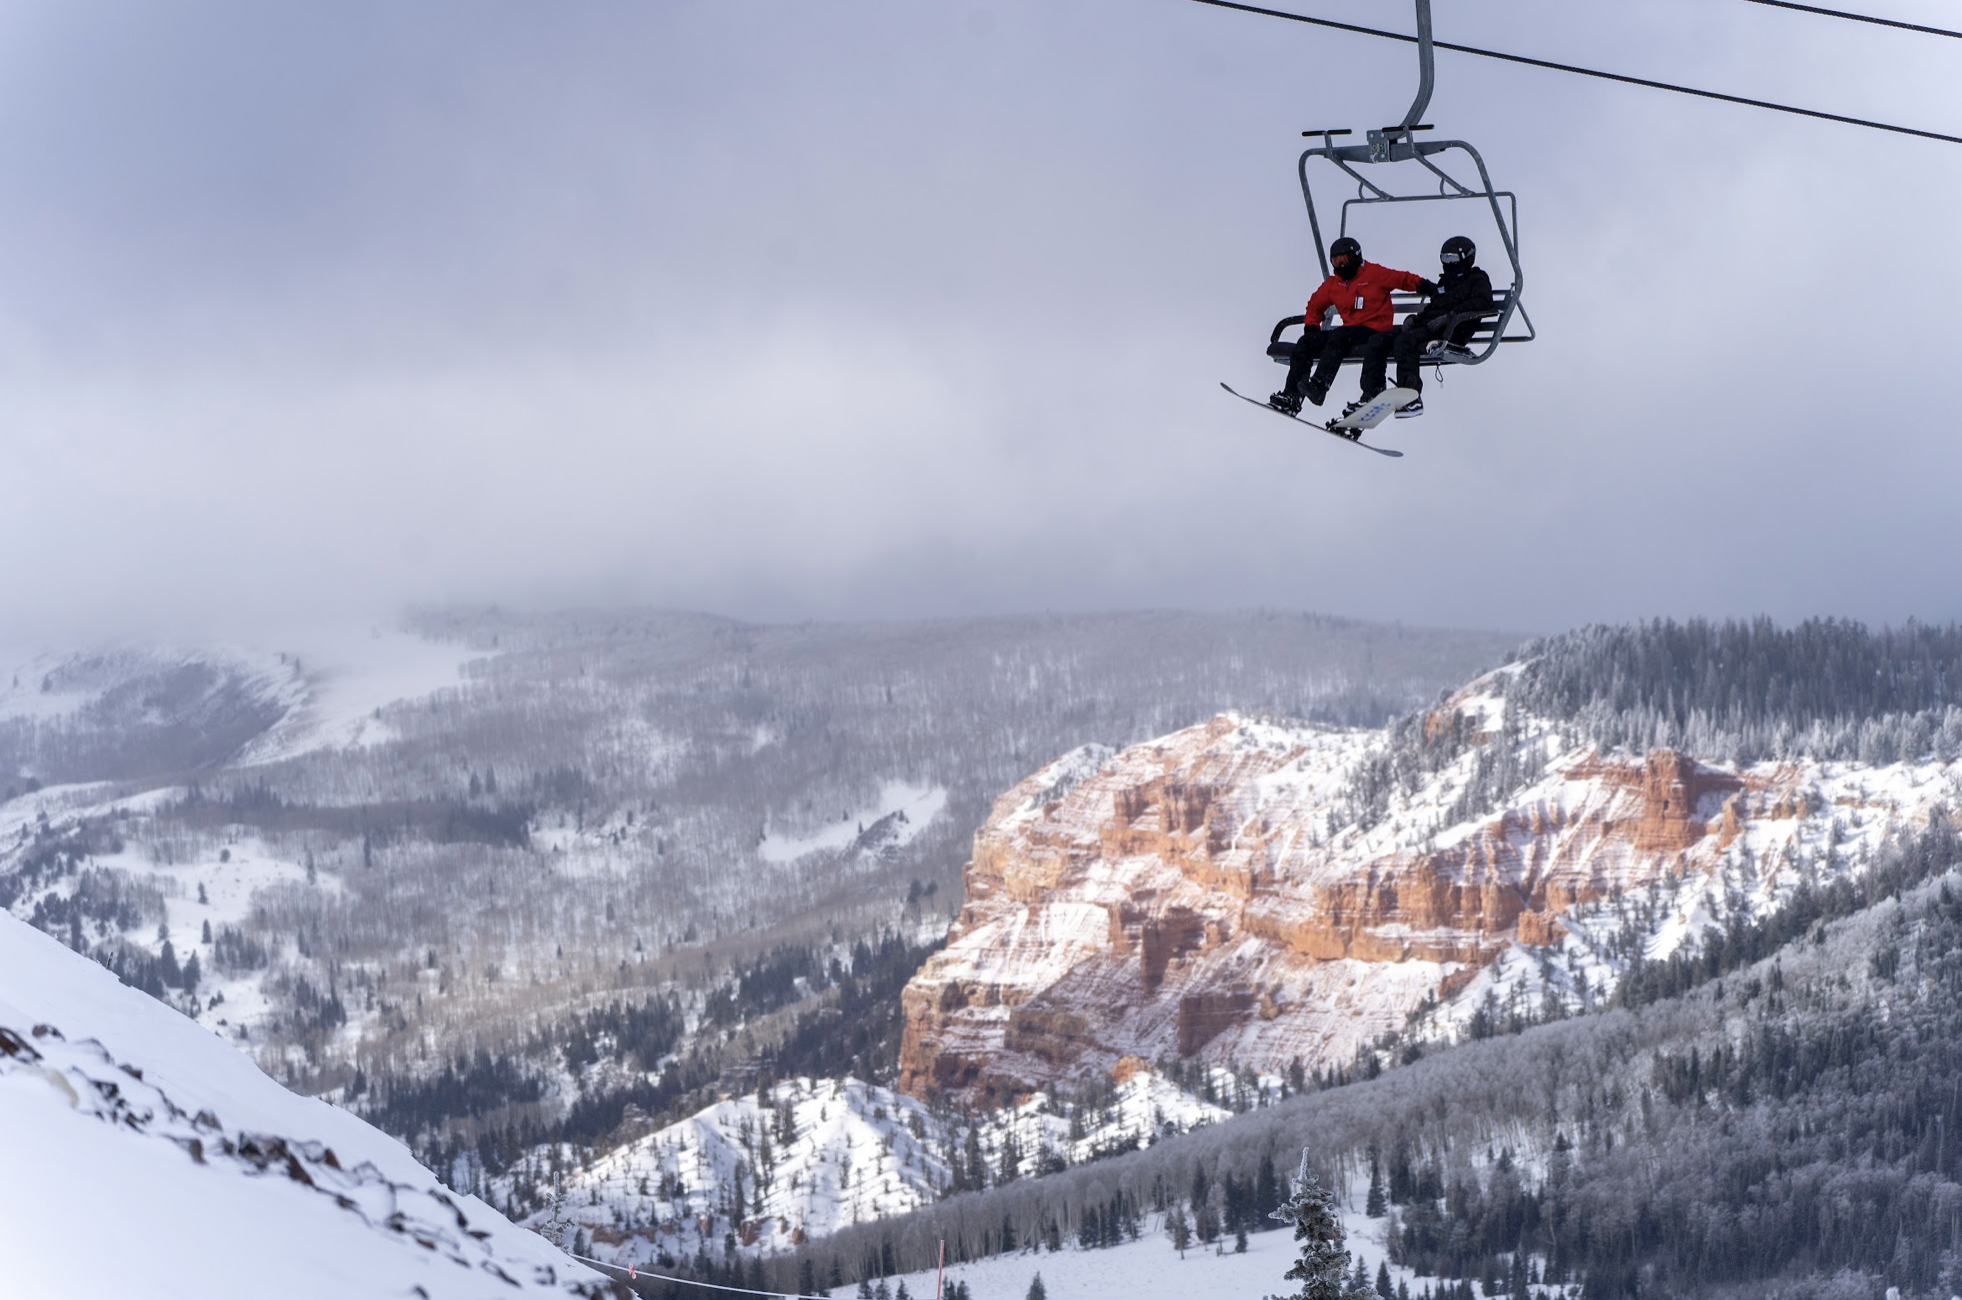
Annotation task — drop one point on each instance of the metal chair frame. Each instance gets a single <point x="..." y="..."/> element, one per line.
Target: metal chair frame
<point x="1394" y="144"/>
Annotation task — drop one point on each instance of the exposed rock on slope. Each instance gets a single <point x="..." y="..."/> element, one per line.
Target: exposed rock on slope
<point x="1217" y="892"/>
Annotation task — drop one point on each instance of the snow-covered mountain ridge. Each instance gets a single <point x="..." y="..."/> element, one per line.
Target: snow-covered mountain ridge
<point x="1265" y="893"/>
<point x="806" y="1157"/>
<point x="121" y="1119"/>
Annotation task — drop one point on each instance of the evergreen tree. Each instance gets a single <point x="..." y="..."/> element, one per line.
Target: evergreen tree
<point x="1323" y="1266"/>
<point x="1375" y="1206"/>
<point x="1208" y="1224"/>
<point x="1178" y="1229"/>
<point x="864" y="1289"/>
<point x="1267" y="1192"/>
<point x="1383" y="1281"/>
<point x="1037" y="1291"/>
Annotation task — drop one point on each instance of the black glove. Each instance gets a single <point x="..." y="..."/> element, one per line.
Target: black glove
<point x="1428" y="288"/>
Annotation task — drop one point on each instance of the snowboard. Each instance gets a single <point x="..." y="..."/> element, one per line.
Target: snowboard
<point x="1376" y="410"/>
<point x="1329" y="428"/>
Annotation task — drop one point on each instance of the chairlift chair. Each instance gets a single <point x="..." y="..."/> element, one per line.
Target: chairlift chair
<point x="1399" y="143"/>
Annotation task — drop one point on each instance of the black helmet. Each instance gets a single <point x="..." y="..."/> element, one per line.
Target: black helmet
<point x="1346" y="255"/>
<point x="1458" y="253"/>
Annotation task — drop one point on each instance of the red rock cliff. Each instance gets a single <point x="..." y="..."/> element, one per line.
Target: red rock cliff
<point x="1197" y="895"/>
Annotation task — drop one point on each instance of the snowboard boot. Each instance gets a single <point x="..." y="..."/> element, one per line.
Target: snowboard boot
<point x="1412" y="411"/>
<point x="1316" y="392"/>
<point x="1285" y="402"/>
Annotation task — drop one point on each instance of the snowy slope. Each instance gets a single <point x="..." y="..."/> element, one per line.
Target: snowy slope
<point x="123" y="1122"/>
<point x="340" y="682"/>
<point x="814" y="1156"/>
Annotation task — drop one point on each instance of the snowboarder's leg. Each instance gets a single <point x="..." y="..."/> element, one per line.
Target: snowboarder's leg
<point x="1335" y="346"/>
<point x="1301" y="371"/>
<point x="1409" y="348"/>
<point x="1376" y="359"/>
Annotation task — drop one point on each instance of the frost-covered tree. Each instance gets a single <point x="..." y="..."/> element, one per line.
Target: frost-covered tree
<point x="1177" y="1228"/>
<point x="1323" y="1266"/>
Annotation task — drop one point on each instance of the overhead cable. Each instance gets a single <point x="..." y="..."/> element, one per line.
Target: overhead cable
<point x="1587" y="72"/>
<point x="637" y="1273"/>
<point x="1859" y="18"/>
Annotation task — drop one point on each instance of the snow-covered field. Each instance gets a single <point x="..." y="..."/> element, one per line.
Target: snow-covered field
<point x="1151" y="1269"/>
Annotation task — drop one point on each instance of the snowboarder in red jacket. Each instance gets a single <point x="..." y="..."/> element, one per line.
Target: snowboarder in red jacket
<point x="1359" y="292"/>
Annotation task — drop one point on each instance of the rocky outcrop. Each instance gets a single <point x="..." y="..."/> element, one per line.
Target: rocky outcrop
<point x="1199" y="896"/>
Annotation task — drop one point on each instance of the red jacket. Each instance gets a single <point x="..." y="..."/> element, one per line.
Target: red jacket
<point x="1364" y="300"/>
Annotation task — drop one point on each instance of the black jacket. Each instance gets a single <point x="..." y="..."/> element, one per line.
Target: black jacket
<point x="1459" y="293"/>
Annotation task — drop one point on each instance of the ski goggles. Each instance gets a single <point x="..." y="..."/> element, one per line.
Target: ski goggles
<point x="1451" y="259"/>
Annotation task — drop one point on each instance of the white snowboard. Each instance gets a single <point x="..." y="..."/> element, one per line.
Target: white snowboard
<point x="1373" y="412"/>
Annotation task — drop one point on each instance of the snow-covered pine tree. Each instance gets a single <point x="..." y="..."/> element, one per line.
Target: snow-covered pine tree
<point x="1178" y="1229"/>
<point x="1323" y="1267"/>
<point x="1377" y="1204"/>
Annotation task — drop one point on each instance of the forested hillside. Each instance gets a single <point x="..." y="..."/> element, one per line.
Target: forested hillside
<point x="1745" y="691"/>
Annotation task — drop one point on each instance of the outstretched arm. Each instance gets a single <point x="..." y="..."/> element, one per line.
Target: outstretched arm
<point x="1318" y="304"/>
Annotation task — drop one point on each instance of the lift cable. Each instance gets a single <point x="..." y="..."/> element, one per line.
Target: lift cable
<point x="637" y="1273"/>
<point x="1859" y="18"/>
<point x="1588" y="72"/>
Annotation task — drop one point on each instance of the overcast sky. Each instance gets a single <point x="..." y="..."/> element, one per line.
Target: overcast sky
<point x="889" y="308"/>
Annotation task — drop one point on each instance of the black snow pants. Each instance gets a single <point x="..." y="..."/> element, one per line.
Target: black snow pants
<point x="1413" y="336"/>
<point x="1320" y="352"/>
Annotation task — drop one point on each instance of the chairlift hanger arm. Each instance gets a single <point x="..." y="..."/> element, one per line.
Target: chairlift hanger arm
<point x="1426" y="69"/>
<point x="1578" y="71"/>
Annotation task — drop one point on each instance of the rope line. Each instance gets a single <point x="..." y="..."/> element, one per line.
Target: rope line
<point x="1859" y="18"/>
<point x="1624" y="78"/>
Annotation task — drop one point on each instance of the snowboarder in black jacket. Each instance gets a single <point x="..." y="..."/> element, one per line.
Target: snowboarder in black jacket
<point x="1448" y="320"/>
